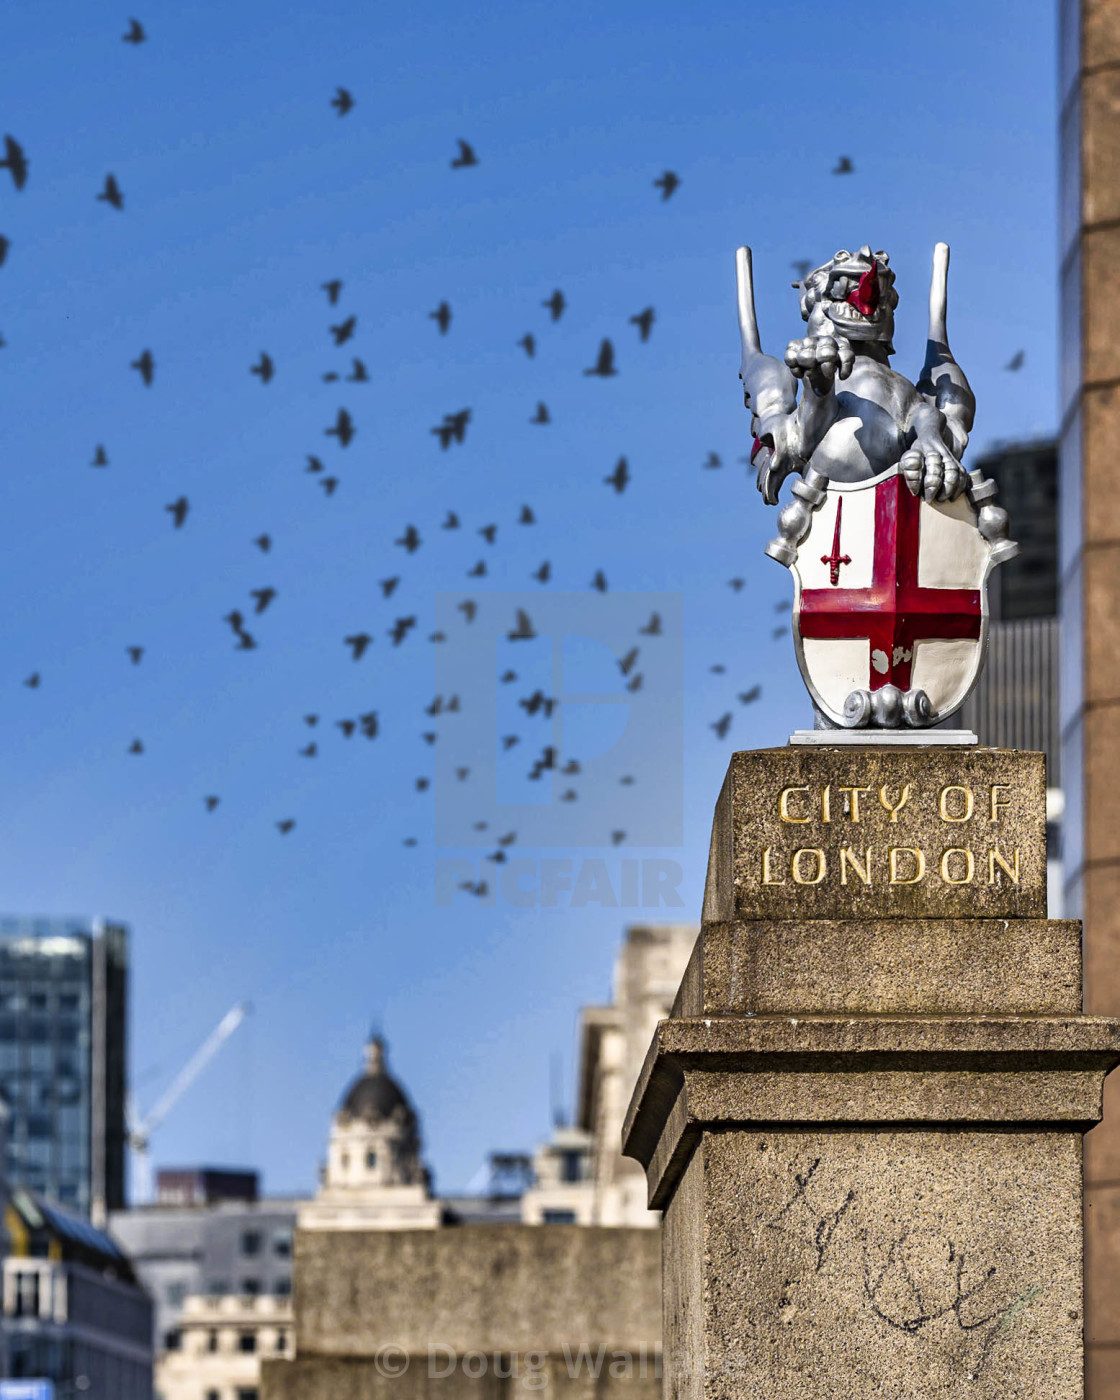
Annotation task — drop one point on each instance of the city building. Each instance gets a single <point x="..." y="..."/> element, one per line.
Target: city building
<point x="74" y="1313"/>
<point x="222" y="1342"/>
<point x="63" y="1021"/>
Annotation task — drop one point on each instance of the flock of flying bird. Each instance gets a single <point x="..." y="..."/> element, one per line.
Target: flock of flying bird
<point x="449" y="432"/>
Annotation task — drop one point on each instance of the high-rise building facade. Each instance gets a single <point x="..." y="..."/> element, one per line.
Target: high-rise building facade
<point x="63" y="1023"/>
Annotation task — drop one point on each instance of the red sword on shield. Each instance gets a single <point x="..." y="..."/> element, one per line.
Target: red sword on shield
<point x="835" y="559"/>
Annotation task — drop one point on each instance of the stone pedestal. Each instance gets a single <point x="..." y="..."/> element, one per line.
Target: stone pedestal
<point x="863" y="1120"/>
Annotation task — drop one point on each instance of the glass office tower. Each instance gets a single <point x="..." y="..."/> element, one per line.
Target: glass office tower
<point x="63" y="1010"/>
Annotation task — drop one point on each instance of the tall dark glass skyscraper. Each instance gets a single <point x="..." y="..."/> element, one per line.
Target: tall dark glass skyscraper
<point x="63" y="1014"/>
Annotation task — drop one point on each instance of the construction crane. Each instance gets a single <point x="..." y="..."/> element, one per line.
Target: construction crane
<point x="140" y="1129"/>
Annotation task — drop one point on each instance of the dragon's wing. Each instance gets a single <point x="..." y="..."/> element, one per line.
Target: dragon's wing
<point x="943" y="382"/>
<point x="769" y="390"/>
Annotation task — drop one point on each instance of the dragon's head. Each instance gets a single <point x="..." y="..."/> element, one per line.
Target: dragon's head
<point x="852" y="295"/>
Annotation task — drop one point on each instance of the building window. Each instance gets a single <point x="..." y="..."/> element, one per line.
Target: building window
<point x="282" y="1244"/>
<point x="246" y="1392"/>
<point x="212" y="1339"/>
<point x="217" y="1286"/>
<point x="559" y="1217"/>
<point x="173" y="1340"/>
<point x="251" y="1242"/>
<point x="175" y="1293"/>
<point x="213" y="1395"/>
<point x="27" y="1294"/>
<point x="571" y="1166"/>
<point x="283" y="1287"/>
<point x="247" y="1342"/>
<point x="281" y="1341"/>
<point x="250" y="1287"/>
<point x="371" y="1159"/>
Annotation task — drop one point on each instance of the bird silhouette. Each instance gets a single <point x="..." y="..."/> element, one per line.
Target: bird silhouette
<point x="146" y="365"/>
<point x="263" y="597"/>
<point x="626" y="665"/>
<point x="347" y="726"/>
<point x="358" y="643"/>
<point x="781" y="606"/>
<point x="1016" y="361"/>
<point x="717" y="670"/>
<point x="488" y="532"/>
<point x="311" y="720"/>
<point x="33" y="681"/>
<point x="510" y="741"/>
<point x="736" y="584"/>
<point x="369" y="724"/>
<point x="526" y="517"/>
<point x="235" y="619"/>
<point x="523" y="632"/>
<point x="15" y="161"/>
<point x="211" y="803"/>
<point x="99" y="457"/>
<point x="423" y="784"/>
<point x="410" y="540"/>
<point x="555" y="304"/>
<point x="604" y="365"/>
<point x="342" y="101"/>
<point x="435" y="708"/>
<point x="627" y="780"/>
<point x="329" y="483"/>
<point x="246" y="641"/>
<point x="465" y="157"/>
<point x="452" y="521"/>
<point x="111" y="194"/>
<point x="332" y="289"/>
<point x="441" y="316"/>
<point x="310" y="751"/>
<point x="599" y="581"/>
<point x="331" y="377"/>
<point x="572" y="766"/>
<point x="344" y="330"/>
<point x="777" y="633"/>
<point x="285" y="826"/>
<point x="178" y="511"/>
<point x="844" y="166"/>
<point x="313" y="463"/>
<point x="343" y="429"/>
<point x="508" y="676"/>
<point x="264" y="368"/>
<point x="135" y="653"/>
<point x="5" y="244"/>
<point x="667" y="183"/>
<point x="388" y="585"/>
<point x="748" y="697"/>
<point x="541" y="415"/>
<point x="479" y="570"/>
<point x="136" y="746"/>
<point x="469" y="608"/>
<point x="263" y="543"/>
<point x="401" y="628"/>
<point x="713" y="462"/>
<point x="652" y="627"/>
<point x="619" y="477"/>
<point x="722" y="725"/>
<point x="528" y="344"/>
<point x="135" y="33"/>
<point x="359" y="374"/>
<point x="544" y="573"/>
<point x="430" y="737"/>
<point x="644" y="322"/>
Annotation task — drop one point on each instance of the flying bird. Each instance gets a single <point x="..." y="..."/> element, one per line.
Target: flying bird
<point x="359" y="374"/>
<point x="211" y="803"/>
<point x="667" y="183"/>
<point x="369" y="724"/>
<point x="146" y="365"/>
<point x="722" y="725"/>
<point x="736" y="584"/>
<point x="544" y="573"/>
<point x="310" y="751"/>
<point x="652" y="627"/>
<point x="263" y="597"/>
<point x="528" y="344"/>
<point x="469" y="608"/>
<point x="246" y="641"/>
<point x="507" y="676"/>
<point x="342" y="101"/>
<point x="264" y="367"/>
<point x="358" y="643"/>
<point x="541" y="415"/>
<point x="135" y="653"/>
<point x="604" y="365"/>
<point x="111" y="194"/>
<point x="452" y="521"/>
<point x="178" y="510"/>
<point x="388" y="585"/>
<point x="844" y="166"/>
<point x="100" y="459"/>
<point x="410" y="540"/>
<point x="617" y="838"/>
<point x="465" y="157"/>
<point x="635" y="682"/>
<point x="135" y="33"/>
<point x="314" y="464"/>
<point x="748" y="697"/>
<point x="599" y="581"/>
<point x="347" y="726"/>
<point x="263" y="543"/>
<point x="626" y="665"/>
<point x="441" y="316"/>
<point x="488" y="533"/>
<point x="714" y="461"/>
<point x="5" y="244"/>
<point x="619" y="477"/>
<point x="1016" y="361"/>
<point x="136" y="746"/>
<point x="235" y="619"/>
<point x="644" y="322"/>
<point x="479" y="570"/>
<point x="526" y="517"/>
<point x="328" y="484"/>
<point x="15" y="161"/>
<point x="344" y="330"/>
<point x="555" y="304"/>
<point x="285" y="826"/>
<point x="311" y="720"/>
<point x="523" y="632"/>
<point x="401" y="628"/>
<point x="332" y="290"/>
<point x="343" y="429"/>
<point x="33" y="681"/>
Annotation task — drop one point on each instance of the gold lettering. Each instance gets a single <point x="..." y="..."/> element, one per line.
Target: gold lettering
<point x="969" y="866"/>
<point x="826" y="803"/>
<point x="994" y="859"/>
<point x="848" y="857"/>
<point x="997" y="801"/>
<point x="853" y="799"/>
<point x="768" y="877"/>
<point x="903" y="798"/>
<point x="919" y="865"/>
<point x="943" y="803"/>
<point x="795" y="866"/>
<point x="783" y="805"/>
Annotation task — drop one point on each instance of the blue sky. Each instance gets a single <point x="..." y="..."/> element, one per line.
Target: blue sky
<point x="244" y="191"/>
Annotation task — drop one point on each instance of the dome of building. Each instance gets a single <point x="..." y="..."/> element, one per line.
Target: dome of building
<point x="375" y="1096"/>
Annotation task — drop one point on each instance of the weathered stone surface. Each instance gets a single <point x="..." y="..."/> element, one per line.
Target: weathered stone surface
<point x="506" y="1288"/>
<point x="599" y="1374"/>
<point x="850" y="833"/>
<point x="982" y="966"/>
<point x="925" y="1265"/>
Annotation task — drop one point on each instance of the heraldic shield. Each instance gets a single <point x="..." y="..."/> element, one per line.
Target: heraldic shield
<point x="890" y="615"/>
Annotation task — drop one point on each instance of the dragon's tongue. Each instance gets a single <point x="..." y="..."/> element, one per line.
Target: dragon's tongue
<point x="865" y="298"/>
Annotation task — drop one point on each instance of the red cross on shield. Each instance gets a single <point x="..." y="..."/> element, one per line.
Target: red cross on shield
<point x="891" y="590"/>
